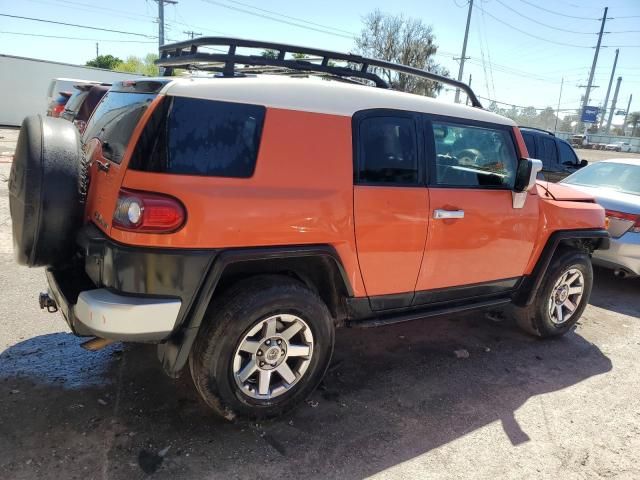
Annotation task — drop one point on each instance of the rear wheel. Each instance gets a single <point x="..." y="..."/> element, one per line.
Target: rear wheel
<point x="264" y="348"/>
<point x="562" y="297"/>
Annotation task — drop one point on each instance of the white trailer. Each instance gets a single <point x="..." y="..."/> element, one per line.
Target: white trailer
<point x="24" y="84"/>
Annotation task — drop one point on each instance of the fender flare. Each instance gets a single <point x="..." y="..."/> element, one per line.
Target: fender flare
<point x="174" y="353"/>
<point x="597" y="239"/>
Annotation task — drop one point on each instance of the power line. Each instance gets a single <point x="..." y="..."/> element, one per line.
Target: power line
<point x="558" y="13"/>
<point x="542" y="23"/>
<point x="74" y="38"/>
<point x="75" y="25"/>
<point x="298" y="19"/>
<point x="531" y="34"/>
<point x="268" y="17"/>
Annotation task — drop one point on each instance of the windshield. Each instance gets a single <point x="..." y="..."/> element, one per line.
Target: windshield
<point x="622" y="177"/>
<point x="114" y="120"/>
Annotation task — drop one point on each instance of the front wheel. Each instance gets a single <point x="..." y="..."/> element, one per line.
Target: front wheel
<point x="264" y="348"/>
<point x="561" y="298"/>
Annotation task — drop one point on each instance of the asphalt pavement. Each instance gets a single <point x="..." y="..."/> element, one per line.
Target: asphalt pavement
<point x="398" y="402"/>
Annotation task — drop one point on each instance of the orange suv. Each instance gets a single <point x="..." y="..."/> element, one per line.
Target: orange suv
<point x="237" y="219"/>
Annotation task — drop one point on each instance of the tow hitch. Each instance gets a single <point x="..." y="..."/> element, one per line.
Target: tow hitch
<point x="47" y="302"/>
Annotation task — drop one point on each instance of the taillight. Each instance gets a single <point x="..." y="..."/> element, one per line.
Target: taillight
<point x="57" y="110"/>
<point x="148" y="212"/>
<point x="624" y="221"/>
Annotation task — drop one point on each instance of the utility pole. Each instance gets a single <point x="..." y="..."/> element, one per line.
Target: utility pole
<point x="606" y="98"/>
<point x="464" y="49"/>
<point x="555" y="128"/>
<point x="191" y="33"/>
<point x="595" y="61"/>
<point x="626" y="115"/>
<point x="613" y="104"/>
<point x="161" y="4"/>
<point x="97" y="51"/>
<point x="467" y="102"/>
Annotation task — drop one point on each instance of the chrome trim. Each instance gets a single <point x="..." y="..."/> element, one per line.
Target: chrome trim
<point x="443" y="214"/>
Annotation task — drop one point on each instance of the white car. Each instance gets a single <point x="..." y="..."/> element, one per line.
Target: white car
<point x="615" y="184"/>
<point x="618" y="147"/>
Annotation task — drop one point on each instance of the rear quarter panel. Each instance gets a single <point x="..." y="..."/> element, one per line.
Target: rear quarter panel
<point x="301" y="193"/>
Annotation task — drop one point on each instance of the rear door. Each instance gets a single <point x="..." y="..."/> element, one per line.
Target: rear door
<point x="548" y="153"/>
<point x="390" y="204"/>
<point x="477" y="240"/>
<point x="107" y="144"/>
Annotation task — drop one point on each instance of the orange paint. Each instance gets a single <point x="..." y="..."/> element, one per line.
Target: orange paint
<point x="288" y="201"/>
<point x="391" y="229"/>
<point x="493" y="241"/>
<point x="522" y="147"/>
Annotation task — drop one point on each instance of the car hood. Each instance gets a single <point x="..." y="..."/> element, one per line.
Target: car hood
<point x="612" y="199"/>
<point x="565" y="193"/>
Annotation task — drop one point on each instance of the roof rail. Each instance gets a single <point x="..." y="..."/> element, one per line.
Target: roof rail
<point x="537" y="129"/>
<point x="187" y="55"/>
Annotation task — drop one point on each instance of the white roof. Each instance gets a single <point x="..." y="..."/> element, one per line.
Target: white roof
<point x="320" y="96"/>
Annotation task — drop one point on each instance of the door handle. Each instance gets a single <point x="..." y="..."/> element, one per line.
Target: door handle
<point x="440" y="214"/>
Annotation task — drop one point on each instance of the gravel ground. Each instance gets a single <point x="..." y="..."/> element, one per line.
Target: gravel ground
<point x="396" y="403"/>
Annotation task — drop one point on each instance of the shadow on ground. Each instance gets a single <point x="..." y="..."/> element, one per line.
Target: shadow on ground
<point x="616" y="294"/>
<point x="391" y="394"/>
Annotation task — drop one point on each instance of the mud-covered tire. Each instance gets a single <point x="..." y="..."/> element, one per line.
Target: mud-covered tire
<point x="43" y="191"/>
<point x="537" y="319"/>
<point x="231" y="318"/>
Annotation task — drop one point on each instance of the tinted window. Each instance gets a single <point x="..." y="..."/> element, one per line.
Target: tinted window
<point x="530" y="143"/>
<point x="201" y="137"/>
<point x="114" y="120"/>
<point x="567" y="155"/>
<point x="469" y="156"/>
<point x="623" y="177"/>
<point x="388" y="151"/>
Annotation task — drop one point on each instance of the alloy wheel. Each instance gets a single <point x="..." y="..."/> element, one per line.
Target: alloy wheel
<point x="273" y="356"/>
<point x="565" y="296"/>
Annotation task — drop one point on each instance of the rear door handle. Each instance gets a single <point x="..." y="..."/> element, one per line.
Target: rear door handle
<point x="440" y="214"/>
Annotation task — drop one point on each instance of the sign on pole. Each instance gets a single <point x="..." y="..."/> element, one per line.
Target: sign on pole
<point x="589" y="114"/>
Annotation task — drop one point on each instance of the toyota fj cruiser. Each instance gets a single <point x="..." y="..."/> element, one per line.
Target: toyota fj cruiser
<point x="237" y="220"/>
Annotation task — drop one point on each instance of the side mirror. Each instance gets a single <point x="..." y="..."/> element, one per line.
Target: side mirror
<point x="527" y="174"/>
<point x="583" y="163"/>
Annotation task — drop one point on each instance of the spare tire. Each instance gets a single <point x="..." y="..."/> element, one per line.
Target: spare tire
<point x="43" y="191"/>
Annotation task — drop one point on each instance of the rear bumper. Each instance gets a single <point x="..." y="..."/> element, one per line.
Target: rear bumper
<point x="127" y="293"/>
<point x="105" y="314"/>
<point x="623" y="253"/>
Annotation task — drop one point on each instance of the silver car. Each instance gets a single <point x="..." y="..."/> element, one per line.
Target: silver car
<point x="615" y="184"/>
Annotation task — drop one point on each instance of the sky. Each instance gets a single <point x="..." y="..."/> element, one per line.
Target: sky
<point x="519" y="50"/>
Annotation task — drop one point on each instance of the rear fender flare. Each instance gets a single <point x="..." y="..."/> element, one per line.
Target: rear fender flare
<point x="175" y="352"/>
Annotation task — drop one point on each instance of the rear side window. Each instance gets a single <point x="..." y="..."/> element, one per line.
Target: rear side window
<point x="530" y="143"/>
<point x="547" y="151"/>
<point x="567" y="155"/>
<point x="114" y="120"/>
<point x="388" y="152"/>
<point x="472" y="156"/>
<point x="201" y="137"/>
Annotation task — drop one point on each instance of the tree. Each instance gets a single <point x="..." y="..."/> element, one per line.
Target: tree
<point x="634" y="121"/>
<point x="269" y="53"/>
<point x="404" y="40"/>
<point x="144" y="66"/>
<point x="104" y="61"/>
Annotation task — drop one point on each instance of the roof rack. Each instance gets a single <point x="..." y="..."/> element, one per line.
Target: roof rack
<point x="187" y="55"/>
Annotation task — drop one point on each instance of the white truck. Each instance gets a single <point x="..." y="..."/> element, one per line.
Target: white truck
<point x="25" y="84"/>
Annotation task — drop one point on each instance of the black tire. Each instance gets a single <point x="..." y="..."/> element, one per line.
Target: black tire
<point x="43" y="191"/>
<point x="230" y="318"/>
<point x="535" y="318"/>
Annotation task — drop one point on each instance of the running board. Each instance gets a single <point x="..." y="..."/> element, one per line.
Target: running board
<point x="405" y="316"/>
